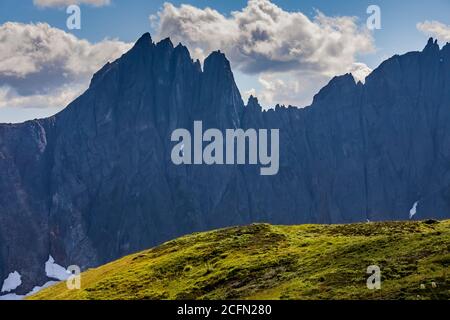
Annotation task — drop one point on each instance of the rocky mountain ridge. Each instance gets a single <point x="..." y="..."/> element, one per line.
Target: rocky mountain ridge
<point x="95" y="182"/>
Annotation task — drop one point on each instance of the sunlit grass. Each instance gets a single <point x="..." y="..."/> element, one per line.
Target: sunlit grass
<point x="280" y="262"/>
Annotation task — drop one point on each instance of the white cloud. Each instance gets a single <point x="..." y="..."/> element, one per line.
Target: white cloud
<point x="31" y="48"/>
<point x="289" y="88"/>
<point x="265" y="40"/>
<point x="64" y="3"/>
<point x="360" y="71"/>
<point x="263" y="37"/>
<point x="297" y="89"/>
<point x="58" y="98"/>
<point x="41" y="66"/>
<point x="435" y="29"/>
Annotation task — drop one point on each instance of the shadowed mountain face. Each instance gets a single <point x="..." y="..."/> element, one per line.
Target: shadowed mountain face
<point x="95" y="182"/>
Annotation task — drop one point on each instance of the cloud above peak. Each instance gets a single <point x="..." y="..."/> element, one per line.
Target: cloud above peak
<point x="65" y="3"/>
<point x="42" y="66"/>
<point x="263" y="39"/>
<point x="435" y="29"/>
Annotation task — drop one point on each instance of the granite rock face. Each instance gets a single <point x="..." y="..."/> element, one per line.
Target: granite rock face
<point x="95" y="182"/>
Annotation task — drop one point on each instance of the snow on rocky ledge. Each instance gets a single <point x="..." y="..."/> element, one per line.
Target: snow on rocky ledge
<point x="13" y="281"/>
<point x="413" y="210"/>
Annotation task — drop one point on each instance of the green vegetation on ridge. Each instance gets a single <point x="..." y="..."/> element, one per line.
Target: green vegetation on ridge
<point x="280" y="262"/>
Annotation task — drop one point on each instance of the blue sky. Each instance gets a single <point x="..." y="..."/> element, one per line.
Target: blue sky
<point x="126" y="20"/>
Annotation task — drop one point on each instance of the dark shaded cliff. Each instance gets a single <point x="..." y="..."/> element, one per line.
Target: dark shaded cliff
<point x="95" y="182"/>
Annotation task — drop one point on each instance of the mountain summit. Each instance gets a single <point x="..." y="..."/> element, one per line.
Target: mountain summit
<point x="95" y="182"/>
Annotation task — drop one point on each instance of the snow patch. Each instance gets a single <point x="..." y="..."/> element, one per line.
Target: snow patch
<point x="37" y="288"/>
<point x="55" y="271"/>
<point x="11" y="296"/>
<point x="11" y="283"/>
<point x="413" y="210"/>
<point x="52" y="270"/>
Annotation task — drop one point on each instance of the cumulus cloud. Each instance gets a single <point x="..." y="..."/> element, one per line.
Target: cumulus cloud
<point x="297" y="89"/>
<point x="435" y="29"/>
<point x="59" y="98"/>
<point x="65" y="3"/>
<point x="360" y="71"/>
<point x="288" y="88"/>
<point x="264" y="39"/>
<point x="41" y="66"/>
<point x="279" y="89"/>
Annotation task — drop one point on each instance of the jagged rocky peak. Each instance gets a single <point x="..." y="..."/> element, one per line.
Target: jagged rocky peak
<point x="432" y="45"/>
<point x="338" y="86"/>
<point x="446" y="48"/>
<point x="140" y="51"/>
<point x="182" y="49"/>
<point x="216" y="65"/>
<point x="144" y="40"/>
<point x="345" y="79"/>
<point x="217" y="61"/>
<point x="165" y="44"/>
<point x="217" y="74"/>
<point x="104" y="167"/>
<point x="253" y="103"/>
<point x="198" y="65"/>
<point x="182" y="55"/>
<point x="142" y="47"/>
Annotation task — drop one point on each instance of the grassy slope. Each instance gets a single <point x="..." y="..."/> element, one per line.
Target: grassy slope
<point x="280" y="262"/>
